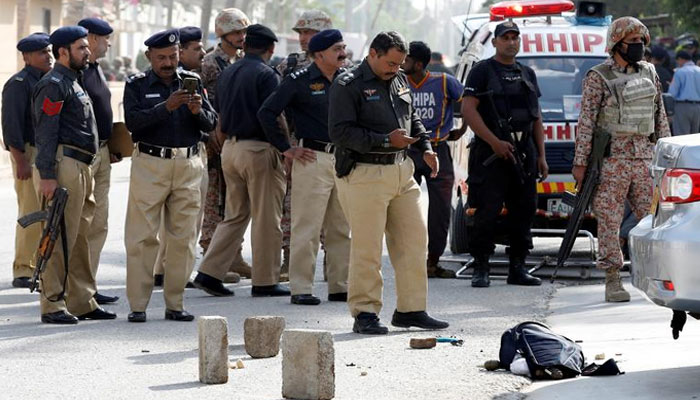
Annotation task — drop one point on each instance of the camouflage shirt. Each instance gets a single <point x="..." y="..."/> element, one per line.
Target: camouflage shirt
<point x="303" y="61"/>
<point x="213" y="63"/>
<point x="596" y="94"/>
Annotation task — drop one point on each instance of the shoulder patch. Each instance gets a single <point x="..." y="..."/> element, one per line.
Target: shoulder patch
<point x="299" y="73"/>
<point x="346" y="78"/>
<point x="19" y="78"/>
<point x="135" y="77"/>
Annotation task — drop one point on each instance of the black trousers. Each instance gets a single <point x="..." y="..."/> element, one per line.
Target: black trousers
<point x="492" y="187"/>
<point x="439" y="195"/>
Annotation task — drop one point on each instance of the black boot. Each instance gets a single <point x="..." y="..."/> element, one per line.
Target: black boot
<point x="518" y="275"/>
<point x="480" y="276"/>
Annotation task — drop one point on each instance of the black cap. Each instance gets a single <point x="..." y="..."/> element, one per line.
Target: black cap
<point x="324" y="39"/>
<point x="163" y="39"/>
<point x="259" y="36"/>
<point x="659" y="53"/>
<point x="683" y="55"/>
<point x="505" y="27"/>
<point x="190" y="34"/>
<point x="419" y="51"/>
<point x="96" y="26"/>
<point x="34" y="42"/>
<point x="66" y="35"/>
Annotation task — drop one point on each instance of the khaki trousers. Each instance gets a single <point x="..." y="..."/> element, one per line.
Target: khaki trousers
<point x="167" y="190"/>
<point x="76" y="177"/>
<point x="97" y="236"/>
<point x="26" y="239"/>
<point x="379" y="199"/>
<point x="160" y="259"/>
<point x="317" y="209"/>
<point x="254" y="190"/>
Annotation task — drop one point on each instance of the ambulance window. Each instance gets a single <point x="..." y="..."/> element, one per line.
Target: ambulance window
<point x="558" y="77"/>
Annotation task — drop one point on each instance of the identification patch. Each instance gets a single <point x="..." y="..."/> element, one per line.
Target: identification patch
<point x="371" y="94"/>
<point x="152" y="95"/>
<point x="317" y="89"/>
<point x="51" y="108"/>
<point x="403" y="90"/>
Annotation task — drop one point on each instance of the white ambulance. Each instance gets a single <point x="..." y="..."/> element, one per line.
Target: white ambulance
<point x="560" y="47"/>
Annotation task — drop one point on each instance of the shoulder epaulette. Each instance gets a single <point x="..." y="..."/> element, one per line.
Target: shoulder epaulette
<point x="299" y="73"/>
<point x="55" y="77"/>
<point x="347" y="77"/>
<point x="135" y="77"/>
<point x="19" y="78"/>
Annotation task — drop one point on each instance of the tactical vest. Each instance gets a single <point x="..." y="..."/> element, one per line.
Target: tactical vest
<point x="632" y="108"/>
<point x="496" y="85"/>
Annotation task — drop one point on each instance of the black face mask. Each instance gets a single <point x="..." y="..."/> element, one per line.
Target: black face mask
<point x="634" y="54"/>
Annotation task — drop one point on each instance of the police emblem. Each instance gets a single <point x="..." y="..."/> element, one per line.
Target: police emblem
<point x="171" y="38"/>
<point x="371" y="94"/>
<point x="508" y="24"/>
<point x="317" y="88"/>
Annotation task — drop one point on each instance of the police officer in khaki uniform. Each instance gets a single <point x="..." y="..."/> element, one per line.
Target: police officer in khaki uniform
<point x="95" y="85"/>
<point x="166" y="121"/>
<point x="66" y="143"/>
<point x="230" y="27"/>
<point x="18" y="137"/>
<point x="191" y="55"/>
<point x="253" y="171"/>
<point x="303" y="95"/>
<point x="372" y="121"/>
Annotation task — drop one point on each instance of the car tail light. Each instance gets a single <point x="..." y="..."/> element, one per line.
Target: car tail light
<point x="514" y="9"/>
<point x="680" y="186"/>
<point x="668" y="285"/>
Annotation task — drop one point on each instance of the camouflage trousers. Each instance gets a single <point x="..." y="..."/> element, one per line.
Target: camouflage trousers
<point x="620" y="179"/>
<point x="212" y="212"/>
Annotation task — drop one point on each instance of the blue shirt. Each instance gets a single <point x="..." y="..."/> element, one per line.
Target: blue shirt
<point x="433" y="99"/>
<point x="685" y="85"/>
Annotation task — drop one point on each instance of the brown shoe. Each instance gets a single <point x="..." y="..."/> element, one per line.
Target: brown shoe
<point x="232" y="277"/>
<point x="436" y="271"/>
<point x="614" y="291"/>
<point x="244" y="270"/>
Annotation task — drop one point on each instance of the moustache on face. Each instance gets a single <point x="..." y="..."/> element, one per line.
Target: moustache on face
<point x="342" y="58"/>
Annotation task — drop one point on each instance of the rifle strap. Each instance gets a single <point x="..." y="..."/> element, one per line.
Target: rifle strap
<point x="64" y="246"/>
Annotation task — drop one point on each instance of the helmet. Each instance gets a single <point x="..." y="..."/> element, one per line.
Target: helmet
<point x="315" y="20"/>
<point x="229" y="20"/>
<point x="622" y="27"/>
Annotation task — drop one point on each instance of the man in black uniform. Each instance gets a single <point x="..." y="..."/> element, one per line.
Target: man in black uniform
<point x="191" y="49"/>
<point x="303" y="94"/>
<point x="519" y="145"/>
<point x="166" y="122"/>
<point x="66" y="143"/>
<point x="95" y="85"/>
<point x="253" y="172"/>
<point x="372" y="121"/>
<point x="18" y="137"/>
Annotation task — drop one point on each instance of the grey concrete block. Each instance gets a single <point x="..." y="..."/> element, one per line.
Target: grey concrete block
<point x="262" y="335"/>
<point x="308" y="365"/>
<point x="213" y="349"/>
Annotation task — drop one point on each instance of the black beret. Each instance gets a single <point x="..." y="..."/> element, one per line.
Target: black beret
<point x="96" y="26"/>
<point x="190" y="34"/>
<point x="163" y="39"/>
<point x="35" y="41"/>
<point x="67" y="34"/>
<point x="259" y="36"/>
<point x="324" y="39"/>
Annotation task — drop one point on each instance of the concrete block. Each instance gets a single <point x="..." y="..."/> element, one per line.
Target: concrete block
<point x="213" y="349"/>
<point x="308" y="365"/>
<point x="262" y="336"/>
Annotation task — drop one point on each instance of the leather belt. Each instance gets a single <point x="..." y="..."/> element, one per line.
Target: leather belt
<point x="81" y="156"/>
<point x="381" y="159"/>
<point x="168" y="152"/>
<point x="317" y="145"/>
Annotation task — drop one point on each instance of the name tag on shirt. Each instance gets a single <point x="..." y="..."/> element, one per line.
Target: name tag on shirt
<point x="317" y="89"/>
<point x="371" y="94"/>
<point x="152" y="95"/>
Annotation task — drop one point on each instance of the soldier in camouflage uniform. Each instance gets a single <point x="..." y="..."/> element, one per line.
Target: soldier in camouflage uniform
<point x="310" y="23"/>
<point x="230" y="26"/>
<point x="623" y="97"/>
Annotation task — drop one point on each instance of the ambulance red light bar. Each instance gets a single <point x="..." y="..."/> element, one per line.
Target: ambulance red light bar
<point x="518" y="9"/>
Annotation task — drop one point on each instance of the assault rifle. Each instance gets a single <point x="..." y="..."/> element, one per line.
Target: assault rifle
<point x="55" y="225"/>
<point x="582" y="199"/>
<point x="504" y="132"/>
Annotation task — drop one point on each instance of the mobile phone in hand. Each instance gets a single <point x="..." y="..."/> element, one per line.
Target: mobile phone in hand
<point x="190" y="85"/>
